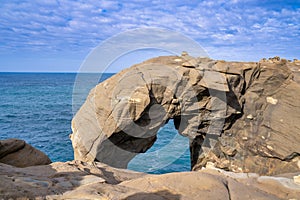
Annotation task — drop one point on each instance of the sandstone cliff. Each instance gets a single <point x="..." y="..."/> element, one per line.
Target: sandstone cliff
<point x="240" y="116"/>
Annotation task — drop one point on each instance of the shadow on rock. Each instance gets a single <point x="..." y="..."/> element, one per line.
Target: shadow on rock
<point x="59" y="180"/>
<point x="161" y="195"/>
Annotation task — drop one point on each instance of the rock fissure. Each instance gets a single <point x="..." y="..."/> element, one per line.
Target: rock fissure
<point x="92" y="145"/>
<point x="228" y="190"/>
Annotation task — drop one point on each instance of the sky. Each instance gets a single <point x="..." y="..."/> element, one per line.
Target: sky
<point x="58" y="35"/>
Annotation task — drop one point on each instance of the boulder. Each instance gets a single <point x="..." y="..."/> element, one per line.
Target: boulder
<point x="80" y="180"/>
<point x="238" y="116"/>
<point x="20" y="154"/>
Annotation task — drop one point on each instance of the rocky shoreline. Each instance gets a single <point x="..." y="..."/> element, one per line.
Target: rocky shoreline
<point x="242" y="119"/>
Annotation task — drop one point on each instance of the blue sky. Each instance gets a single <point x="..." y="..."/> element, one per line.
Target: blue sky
<point x="57" y="35"/>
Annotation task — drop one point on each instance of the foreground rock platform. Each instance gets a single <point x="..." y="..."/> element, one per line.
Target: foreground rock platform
<point x="80" y="180"/>
<point x="239" y="116"/>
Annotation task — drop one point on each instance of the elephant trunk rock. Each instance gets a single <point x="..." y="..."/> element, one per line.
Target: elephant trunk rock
<point x="239" y="116"/>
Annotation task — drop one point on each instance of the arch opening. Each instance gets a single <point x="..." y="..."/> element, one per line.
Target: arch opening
<point x="169" y="153"/>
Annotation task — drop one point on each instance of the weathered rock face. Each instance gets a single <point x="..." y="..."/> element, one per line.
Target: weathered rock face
<point x="18" y="153"/>
<point x="243" y="117"/>
<point x="265" y="139"/>
<point x="79" y="180"/>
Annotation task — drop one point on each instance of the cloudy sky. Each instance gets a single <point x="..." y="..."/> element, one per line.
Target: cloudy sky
<point x="57" y="35"/>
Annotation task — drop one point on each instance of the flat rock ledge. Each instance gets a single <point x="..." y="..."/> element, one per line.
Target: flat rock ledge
<point x="81" y="180"/>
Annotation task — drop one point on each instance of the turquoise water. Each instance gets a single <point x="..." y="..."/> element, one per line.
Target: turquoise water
<point x="38" y="108"/>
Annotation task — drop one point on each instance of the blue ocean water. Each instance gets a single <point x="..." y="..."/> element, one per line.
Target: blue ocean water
<point x="38" y="108"/>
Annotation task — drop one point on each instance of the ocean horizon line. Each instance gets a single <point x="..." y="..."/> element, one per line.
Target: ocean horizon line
<point x="58" y="72"/>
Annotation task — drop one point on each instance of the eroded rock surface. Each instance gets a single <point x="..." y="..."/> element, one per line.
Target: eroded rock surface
<point x="80" y="180"/>
<point x="239" y="116"/>
<point x="20" y="154"/>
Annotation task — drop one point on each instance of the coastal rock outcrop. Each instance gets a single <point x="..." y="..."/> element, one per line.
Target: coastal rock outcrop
<point x="18" y="153"/>
<point x="80" y="180"/>
<point x="238" y="116"/>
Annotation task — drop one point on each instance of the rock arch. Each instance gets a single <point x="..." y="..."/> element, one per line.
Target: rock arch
<point x="206" y="99"/>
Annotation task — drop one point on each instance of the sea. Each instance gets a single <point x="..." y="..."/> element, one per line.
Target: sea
<point x="39" y="107"/>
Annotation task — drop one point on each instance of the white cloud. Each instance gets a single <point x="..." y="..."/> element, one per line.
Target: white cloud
<point x="68" y="25"/>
